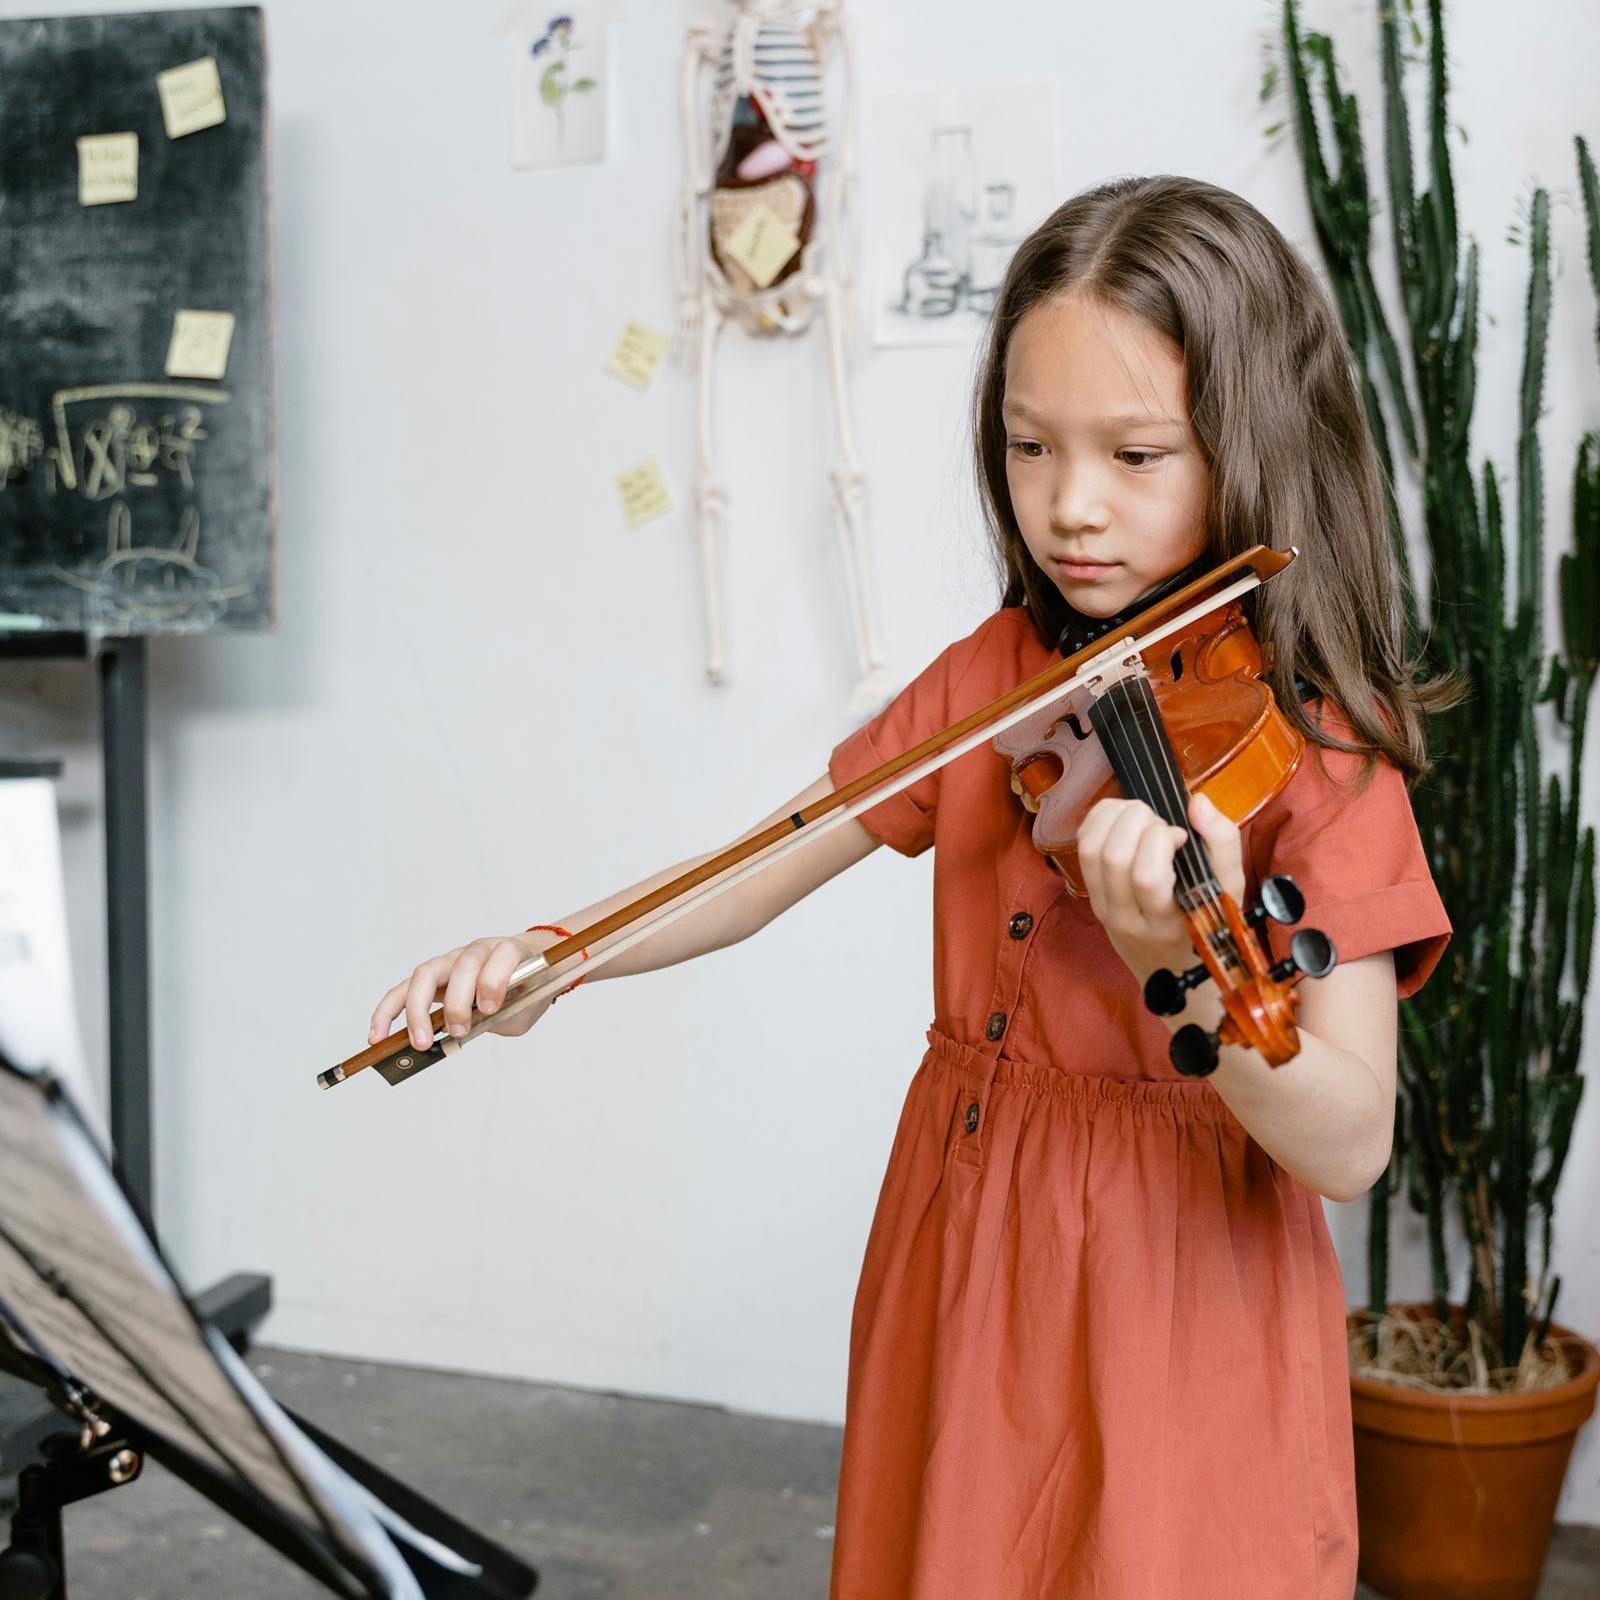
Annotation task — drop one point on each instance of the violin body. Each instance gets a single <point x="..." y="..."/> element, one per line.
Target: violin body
<point x="1228" y="735"/>
<point x="1230" y="740"/>
<point x="1157" y="723"/>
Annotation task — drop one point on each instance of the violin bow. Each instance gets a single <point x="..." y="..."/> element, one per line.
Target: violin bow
<point x="398" y="1060"/>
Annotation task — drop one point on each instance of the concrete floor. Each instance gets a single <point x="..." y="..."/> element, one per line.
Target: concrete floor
<point x="611" y="1498"/>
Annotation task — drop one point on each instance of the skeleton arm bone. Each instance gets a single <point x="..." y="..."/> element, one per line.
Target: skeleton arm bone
<point x="843" y="215"/>
<point x="688" y="242"/>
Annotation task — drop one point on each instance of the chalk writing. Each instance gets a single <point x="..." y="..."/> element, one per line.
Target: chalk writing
<point x="21" y="443"/>
<point x="151" y="583"/>
<point x="107" y="452"/>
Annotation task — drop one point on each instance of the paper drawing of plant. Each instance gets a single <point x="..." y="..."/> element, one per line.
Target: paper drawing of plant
<point x="553" y="85"/>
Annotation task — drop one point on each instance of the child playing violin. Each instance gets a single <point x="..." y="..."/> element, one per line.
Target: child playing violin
<point x="1098" y="1345"/>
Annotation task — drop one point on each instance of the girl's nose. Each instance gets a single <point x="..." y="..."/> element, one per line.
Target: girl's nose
<point x="1079" y="501"/>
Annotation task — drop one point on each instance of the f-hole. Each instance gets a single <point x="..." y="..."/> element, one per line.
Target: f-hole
<point x="1177" y="663"/>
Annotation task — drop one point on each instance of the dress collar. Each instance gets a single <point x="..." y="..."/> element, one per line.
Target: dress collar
<point x="1080" y="630"/>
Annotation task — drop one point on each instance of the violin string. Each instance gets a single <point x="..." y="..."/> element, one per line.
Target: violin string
<point x="1145" y="773"/>
<point x="1148" y="775"/>
<point x="1210" y="887"/>
<point x="1178" y="793"/>
<point x="1153" y="763"/>
<point x="1148" y="723"/>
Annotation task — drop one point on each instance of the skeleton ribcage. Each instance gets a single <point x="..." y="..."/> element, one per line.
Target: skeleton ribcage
<point x="776" y="64"/>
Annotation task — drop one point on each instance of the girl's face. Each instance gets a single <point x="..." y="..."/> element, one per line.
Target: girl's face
<point x="1100" y="459"/>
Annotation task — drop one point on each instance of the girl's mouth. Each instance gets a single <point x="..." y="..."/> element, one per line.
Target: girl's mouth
<point x="1084" y="569"/>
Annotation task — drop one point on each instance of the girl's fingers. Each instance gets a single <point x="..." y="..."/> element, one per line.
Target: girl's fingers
<point x="1128" y="857"/>
<point x="462" y="986"/>
<point x="1152" y="876"/>
<point x="388" y="1009"/>
<point x="1126" y="852"/>
<point x="477" y="973"/>
<point x="504" y="959"/>
<point x="420" y="992"/>
<point x="1133" y="822"/>
<point x="1096" y="822"/>
<point x="1223" y="842"/>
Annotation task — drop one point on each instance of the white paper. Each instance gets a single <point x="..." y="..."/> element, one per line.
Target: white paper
<point x="560" y="86"/>
<point x="38" y="1022"/>
<point x="954" y="179"/>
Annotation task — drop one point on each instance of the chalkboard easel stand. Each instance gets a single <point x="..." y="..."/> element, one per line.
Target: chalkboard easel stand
<point x="241" y="1300"/>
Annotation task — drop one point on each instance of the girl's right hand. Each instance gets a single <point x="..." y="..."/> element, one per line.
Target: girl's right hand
<point x="475" y="973"/>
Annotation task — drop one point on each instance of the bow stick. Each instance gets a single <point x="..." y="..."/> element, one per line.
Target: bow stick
<point x="398" y="1060"/>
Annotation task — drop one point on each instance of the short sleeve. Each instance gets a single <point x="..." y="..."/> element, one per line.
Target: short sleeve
<point x="924" y="707"/>
<point x="1358" y="860"/>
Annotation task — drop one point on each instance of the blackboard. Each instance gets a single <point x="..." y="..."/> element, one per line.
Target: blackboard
<point x="133" y="501"/>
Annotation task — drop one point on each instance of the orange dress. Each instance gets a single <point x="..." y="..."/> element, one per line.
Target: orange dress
<point x="1098" y="1348"/>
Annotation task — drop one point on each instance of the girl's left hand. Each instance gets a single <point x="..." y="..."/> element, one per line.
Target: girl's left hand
<point x="1126" y="852"/>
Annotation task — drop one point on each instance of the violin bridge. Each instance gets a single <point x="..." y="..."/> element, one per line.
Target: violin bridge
<point x="1120" y="661"/>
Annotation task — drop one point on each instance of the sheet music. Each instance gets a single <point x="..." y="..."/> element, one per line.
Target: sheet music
<point x="61" y="1210"/>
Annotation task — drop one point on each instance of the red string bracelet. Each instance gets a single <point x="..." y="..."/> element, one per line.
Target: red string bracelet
<point x="550" y="927"/>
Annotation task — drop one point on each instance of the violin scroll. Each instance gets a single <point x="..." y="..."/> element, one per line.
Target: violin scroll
<point x="1194" y="1050"/>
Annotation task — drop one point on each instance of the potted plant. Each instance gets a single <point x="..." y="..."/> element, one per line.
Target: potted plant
<point x="1465" y="1411"/>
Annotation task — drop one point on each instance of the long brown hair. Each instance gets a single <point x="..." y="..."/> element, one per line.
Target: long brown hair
<point x="1275" y="407"/>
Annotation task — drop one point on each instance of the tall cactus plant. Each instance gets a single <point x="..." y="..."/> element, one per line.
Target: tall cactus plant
<point x="1489" y="1048"/>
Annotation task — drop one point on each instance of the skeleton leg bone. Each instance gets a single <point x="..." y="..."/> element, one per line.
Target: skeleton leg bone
<point x="711" y="499"/>
<point x="874" y="687"/>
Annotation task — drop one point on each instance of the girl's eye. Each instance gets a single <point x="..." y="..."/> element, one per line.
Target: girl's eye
<point x="1025" y="447"/>
<point x="1147" y="456"/>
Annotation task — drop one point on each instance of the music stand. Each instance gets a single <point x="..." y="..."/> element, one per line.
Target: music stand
<point x="92" y="1314"/>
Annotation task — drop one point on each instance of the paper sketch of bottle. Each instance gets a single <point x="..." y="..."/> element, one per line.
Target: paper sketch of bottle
<point x="992" y="246"/>
<point x="950" y="201"/>
<point x="932" y="284"/>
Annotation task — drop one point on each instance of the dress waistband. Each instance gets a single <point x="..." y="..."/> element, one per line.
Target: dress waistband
<point x="1192" y="1099"/>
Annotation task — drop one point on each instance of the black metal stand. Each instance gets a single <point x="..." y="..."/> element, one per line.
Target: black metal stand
<point x="124" y="748"/>
<point x="109" y="1450"/>
<point x="33" y="1565"/>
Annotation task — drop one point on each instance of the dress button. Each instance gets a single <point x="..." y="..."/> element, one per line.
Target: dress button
<point x="972" y="1117"/>
<point x="1021" y="925"/>
<point x="996" y="1025"/>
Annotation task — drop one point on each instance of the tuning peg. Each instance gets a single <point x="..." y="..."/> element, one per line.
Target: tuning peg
<point x="1194" y="1051"/>
<point x="1311" y="953"/>
<point x="1164" y="990"/>
<point x="1280" y="899"/>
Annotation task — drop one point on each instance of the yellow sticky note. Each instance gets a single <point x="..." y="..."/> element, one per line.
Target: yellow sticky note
<point x="199" y="347"/>
<point x="636" y="355"/>
<point x="108" y="168"/>
<point x="644" y="492"/>
<point x="191" y="97"/>
<point x="762" y="244"/>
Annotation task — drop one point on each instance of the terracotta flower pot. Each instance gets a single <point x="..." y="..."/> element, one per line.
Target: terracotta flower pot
<point x="1456" y="1494"/>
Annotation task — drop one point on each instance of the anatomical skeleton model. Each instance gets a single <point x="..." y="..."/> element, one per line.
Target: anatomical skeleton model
<point x="754" y="160"/>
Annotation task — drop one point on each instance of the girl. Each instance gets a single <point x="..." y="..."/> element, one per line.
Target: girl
<point x="1098" y="1346"/>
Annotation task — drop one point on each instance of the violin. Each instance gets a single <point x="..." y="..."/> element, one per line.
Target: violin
<point x="1173" y="701"/>
<point x="1157" y="723"/>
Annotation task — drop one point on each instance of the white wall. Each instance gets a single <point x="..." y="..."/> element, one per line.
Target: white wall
<point x="483" y="706"/>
